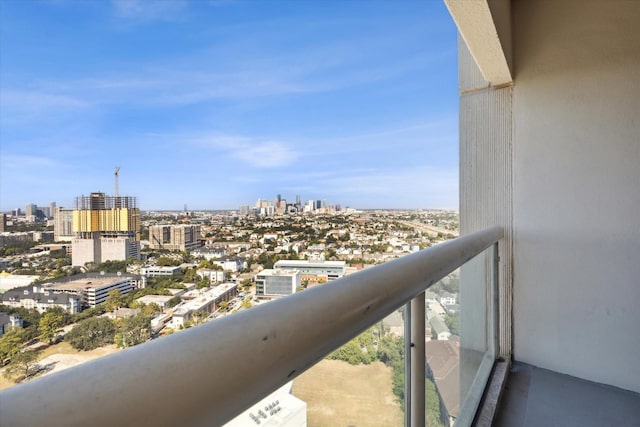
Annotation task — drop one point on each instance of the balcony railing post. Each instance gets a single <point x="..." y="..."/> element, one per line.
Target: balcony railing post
<point x="417" y="360"/>
<point x="496" y="301"/>
<point x="407" y="364"/>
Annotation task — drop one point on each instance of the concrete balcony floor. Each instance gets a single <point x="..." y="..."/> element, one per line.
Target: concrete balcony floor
<point x="537" y="397"/>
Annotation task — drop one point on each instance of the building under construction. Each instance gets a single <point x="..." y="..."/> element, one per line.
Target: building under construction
<point x="106" y="228"/>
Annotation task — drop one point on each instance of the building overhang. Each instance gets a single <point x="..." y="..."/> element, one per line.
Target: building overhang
<point x="485" y="27"/>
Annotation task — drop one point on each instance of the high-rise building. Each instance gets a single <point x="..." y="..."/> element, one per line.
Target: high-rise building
<point x="52" y="209"/>
<point x="106" y="228"/>
<point x="175" y="237"/>
<point x="63" y="225"/>
<point x="30" y="212"/>
<point x="3" y="223"/>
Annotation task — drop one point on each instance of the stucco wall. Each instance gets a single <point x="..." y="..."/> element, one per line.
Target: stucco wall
<point x="576" y="112"/>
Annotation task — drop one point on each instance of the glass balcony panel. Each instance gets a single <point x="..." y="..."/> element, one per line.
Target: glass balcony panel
<point x="361" y="383"/>
<point x="460" y="347"/>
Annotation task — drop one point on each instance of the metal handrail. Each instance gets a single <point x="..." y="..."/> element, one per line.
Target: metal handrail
<point x="206" y="375"/>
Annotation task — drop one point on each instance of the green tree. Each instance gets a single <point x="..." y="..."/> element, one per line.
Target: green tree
<point x="112" y="266"/>
<point x="453" y="323"/>
<point x="92" y="333"/>
<point x="165" y="261"/>
<point x="351" y="353"/>
<point x="23" y="365"/>
<point x="199" y="316"/>
<point x="133" y="331"/>
<point x="115" y="300"/>
<point x="432" y="404"/>
<point x="50" y="324"/>
<point x="10" y="344"/>
<point x="174" y="301"/>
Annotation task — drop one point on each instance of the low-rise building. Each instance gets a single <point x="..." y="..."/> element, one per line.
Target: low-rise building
<point x="315" y="271"/>
<point x="447" y="299"/>
<point x="94" y="288"/>
<point x="206" y="300"/>
<point x="160" y="300"/>
<point x="233" y="264"/>
<point x="273" y="283"/>
<point x="213" y="276"/>
<point x="41" y="299"/>
<point x="159" y="271"/>
<point x="8" y="321"/>
<point x="440" y="328"/>
<point x="209" y="253"/>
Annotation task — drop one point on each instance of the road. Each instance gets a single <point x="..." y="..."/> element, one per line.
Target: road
<point x="429" y="228"/>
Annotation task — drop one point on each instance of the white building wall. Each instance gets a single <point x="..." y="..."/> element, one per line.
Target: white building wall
<point x="577" y="188"/>
<point x="84" y="251"/>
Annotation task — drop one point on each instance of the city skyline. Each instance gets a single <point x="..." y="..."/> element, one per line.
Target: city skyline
<point x="215" y="104"/>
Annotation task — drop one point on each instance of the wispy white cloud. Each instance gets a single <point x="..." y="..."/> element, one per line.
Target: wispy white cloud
<point x="433" y="187"/>
<point x="250" y="151"/>
<point x="38" y="102"/>
<point x="25" y="161"/>
<point x="147" y="10"/>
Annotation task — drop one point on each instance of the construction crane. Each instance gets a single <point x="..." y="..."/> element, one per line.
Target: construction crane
<point x="116" y="180"/>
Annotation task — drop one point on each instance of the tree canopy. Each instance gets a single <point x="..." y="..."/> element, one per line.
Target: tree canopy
<point x="91" y="333"/>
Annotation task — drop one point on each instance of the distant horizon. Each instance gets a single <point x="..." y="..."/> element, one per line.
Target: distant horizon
<point x="343" y="207"/>
<point x="219" y="103"/>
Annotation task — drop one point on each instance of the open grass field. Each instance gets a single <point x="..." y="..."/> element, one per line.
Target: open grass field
<point x="339" y="394"/>
<point x="61" y="356"/>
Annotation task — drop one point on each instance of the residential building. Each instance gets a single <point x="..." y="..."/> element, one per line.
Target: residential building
<point x="272" y="283"/>
<point x="159" y="271"/>
<point x="175" y="237"/>
<point x="63" y="225"/>
<point x="440" y="328"/>
<point x="8" y="321"/>
<point x="314" y="271"/>
<point x="3" y="223"/>
<point x="213" y="276"/>
<point x="106" y="228"/>
<point x="231" y="263"/>
<point x="447" y="298"/>
<point x="160" y="300"/>
<point x="41" y="299"/>
<point x="209" y="253"/>
<point x="205" y="300"/>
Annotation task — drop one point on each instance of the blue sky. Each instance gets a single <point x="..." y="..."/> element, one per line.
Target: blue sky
<point x="214" y="104"/>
